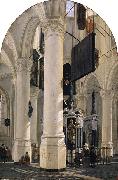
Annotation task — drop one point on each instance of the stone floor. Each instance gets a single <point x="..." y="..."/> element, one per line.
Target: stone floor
<point x="100" y="172"/>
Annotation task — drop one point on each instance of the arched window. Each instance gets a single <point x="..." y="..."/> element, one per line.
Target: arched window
<point x="70" y="8"/>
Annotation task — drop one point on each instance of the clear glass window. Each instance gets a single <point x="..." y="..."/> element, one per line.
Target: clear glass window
<point x="70" y="8"/>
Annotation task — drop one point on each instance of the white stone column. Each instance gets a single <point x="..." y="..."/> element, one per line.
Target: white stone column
<point x="22" y="141"/>
<point x="107" y="97"/>
<point x="33" y="119"/>
<point x="52" y="149"/>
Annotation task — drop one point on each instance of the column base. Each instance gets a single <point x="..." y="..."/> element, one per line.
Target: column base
<point x="52" y="153"/>
<point x="20" y="147"/>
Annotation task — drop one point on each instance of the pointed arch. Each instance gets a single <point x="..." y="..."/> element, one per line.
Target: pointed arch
<point x="111" y="75"/>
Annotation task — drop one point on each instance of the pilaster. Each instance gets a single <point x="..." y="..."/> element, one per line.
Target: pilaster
<point x="107" y="97"/>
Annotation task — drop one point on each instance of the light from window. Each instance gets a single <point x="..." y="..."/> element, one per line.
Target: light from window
<point x="69" y="5"/>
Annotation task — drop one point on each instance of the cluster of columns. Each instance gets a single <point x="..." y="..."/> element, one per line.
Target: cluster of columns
<point x="52" y="148"/>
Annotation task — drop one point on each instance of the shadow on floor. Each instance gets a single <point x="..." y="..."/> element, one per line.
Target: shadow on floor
<point x="104" y="172"/>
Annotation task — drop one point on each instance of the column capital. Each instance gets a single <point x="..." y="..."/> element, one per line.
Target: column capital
<point x="55" y="25"/>
<point x="23" y="64"/>
<point x="34" y="92"/>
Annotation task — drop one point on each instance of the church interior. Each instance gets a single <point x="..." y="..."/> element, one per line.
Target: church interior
<point x="35" y="83"/>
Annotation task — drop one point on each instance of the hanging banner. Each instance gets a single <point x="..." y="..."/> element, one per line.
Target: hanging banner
<point x="83" y="58"/>
<point x="81" y="16"/>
